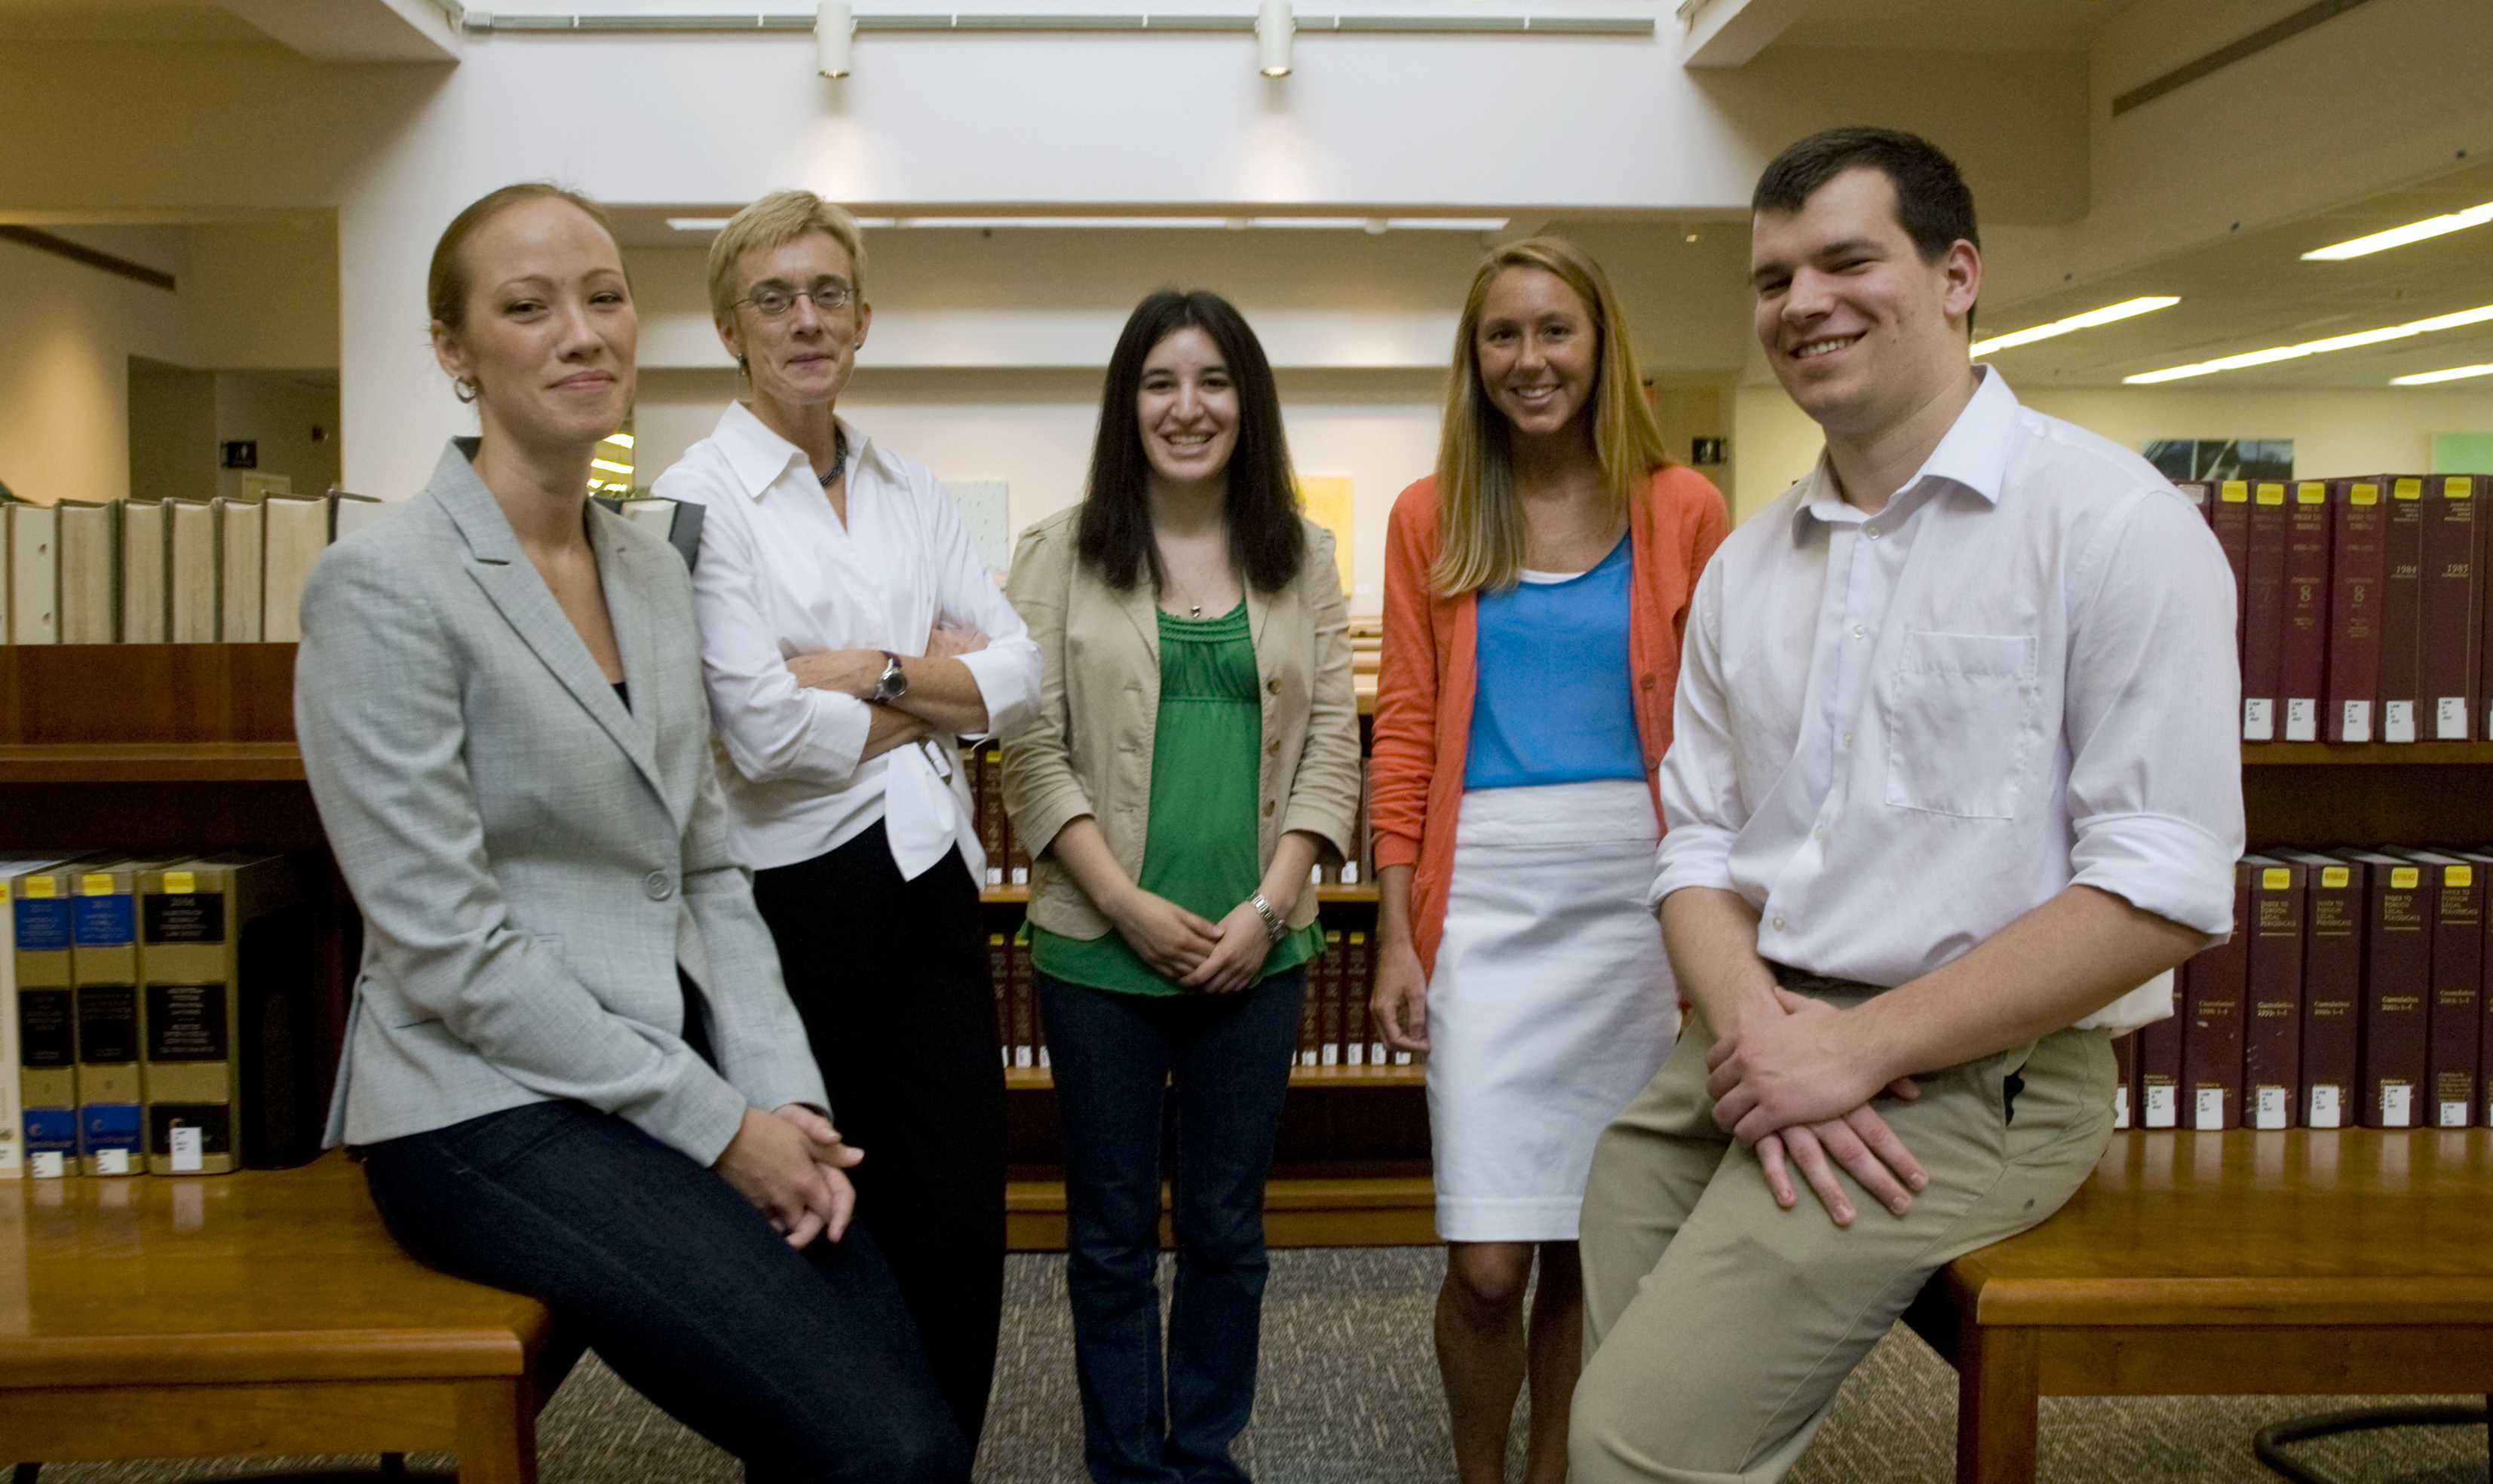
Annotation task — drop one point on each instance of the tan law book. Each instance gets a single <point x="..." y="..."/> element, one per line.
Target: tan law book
<point x="297" y="533"/>
<point x="242" y="546"/>
<point x="351" y="513"/>
<point x="191" y="567"/>
<point x="142" y="572"/>
<point x="34" y="573"/>
<point x="224" y="975"/>
<point x="90" y="556"/>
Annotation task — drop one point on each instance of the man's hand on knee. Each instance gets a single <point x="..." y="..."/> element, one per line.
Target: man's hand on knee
<point x="1789" y="1087"/>
<point x="1862" y="1144"/>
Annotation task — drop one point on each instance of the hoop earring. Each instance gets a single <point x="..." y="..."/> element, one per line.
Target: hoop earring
<point x="466" y="389"/>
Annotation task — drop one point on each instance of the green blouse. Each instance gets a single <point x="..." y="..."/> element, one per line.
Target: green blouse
<point x="1200" y="848"/>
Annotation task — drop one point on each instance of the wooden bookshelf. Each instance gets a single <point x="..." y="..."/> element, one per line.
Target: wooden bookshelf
<point x="1330" y="894"/>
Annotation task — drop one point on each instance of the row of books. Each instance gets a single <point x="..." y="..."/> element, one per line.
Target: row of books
<point x="2352" y="992"/>
<point x="2362" y="613"/>
<point x="1334" y="1026"/>
<point x="160" y="1016"/>
<point x="1008" y="859"/>
<point x="184" y="571"/>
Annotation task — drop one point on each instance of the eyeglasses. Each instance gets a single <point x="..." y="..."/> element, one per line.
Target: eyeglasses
<point x="772" y="301"/>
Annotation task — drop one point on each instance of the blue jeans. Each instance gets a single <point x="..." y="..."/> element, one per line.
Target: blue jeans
<point x="803" y="1365"/>
<point x="1118" y="1059"/>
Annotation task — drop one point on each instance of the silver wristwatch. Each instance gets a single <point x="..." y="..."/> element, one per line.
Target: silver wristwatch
<point x="894" y="682"/>
<point x="1273" y="927"/>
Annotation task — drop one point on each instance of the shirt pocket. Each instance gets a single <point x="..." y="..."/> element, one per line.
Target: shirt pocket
<point x="1962" y="722"/>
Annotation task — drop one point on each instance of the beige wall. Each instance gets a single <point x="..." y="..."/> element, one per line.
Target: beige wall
<point x="279" y="412"/>
<point x="66" y="339"/>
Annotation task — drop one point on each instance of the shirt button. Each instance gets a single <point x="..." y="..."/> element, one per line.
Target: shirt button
<point x="657" y="886"/>
<point x="1820" y="832"/>
<point x="1847" y="739"/>
<point x="1861" y="631"/>
<point x="1779" y="924"/>
<point x="1872" y="531"/>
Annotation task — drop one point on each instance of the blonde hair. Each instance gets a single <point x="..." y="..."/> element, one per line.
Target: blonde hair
<point x="1480" y="521"/>
<point x="783" y="216"/>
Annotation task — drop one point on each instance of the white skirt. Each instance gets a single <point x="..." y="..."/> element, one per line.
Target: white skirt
<point x="1551" y="1005"/>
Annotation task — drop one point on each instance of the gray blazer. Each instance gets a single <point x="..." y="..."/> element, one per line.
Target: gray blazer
<point x="1090" y="752"/>
<point x="532" y="858"/>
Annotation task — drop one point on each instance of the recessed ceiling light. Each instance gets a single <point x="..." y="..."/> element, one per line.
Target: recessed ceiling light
<point x="2463" y="317"/>
<point x="1369" y="225"/>
<point x="2400" y="236"/>
<point x="697" y="224"/>
<point x="2453" y="374"/>
<point x="2126" y="309"/>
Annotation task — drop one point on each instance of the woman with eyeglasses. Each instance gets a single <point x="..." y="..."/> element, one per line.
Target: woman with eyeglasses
<point x="1197" y="746"/>
<point x="851" y="639"/>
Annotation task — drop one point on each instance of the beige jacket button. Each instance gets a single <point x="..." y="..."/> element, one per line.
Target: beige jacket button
<point x="1274" y="686"/>
<point x="1267" y="807"/>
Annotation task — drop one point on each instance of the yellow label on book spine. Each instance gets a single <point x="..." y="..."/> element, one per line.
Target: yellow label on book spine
<point x="2459" y="487"/>
<point x="2275" y="878"/>
<point x="2408" y="489"/>
<point x="42" y="886"/>
<point x="2458" y="877"/>
<point x="2271" y="493"/>
<point x="180" y="883"/>
<point x="2405" y="878"/>
<point x="95" y="883"/>
<point x="2365" y="494"/>
<point x="2336" y="878"/>
<point x="2311" y="492"/>
<point x="2235" y="492"/>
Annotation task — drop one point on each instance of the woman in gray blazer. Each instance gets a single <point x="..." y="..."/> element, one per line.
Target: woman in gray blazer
<point x="571" y="1070"/>
<point x="1196" y="746"/>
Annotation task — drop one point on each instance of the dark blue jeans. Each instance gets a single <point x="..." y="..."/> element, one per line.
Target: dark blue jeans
<point x="1225" y="1059"/>
<point x="803" y="1365"/>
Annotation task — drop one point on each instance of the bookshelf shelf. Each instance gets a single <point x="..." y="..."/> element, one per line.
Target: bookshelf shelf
<point x="1040" y="1079"/>
<point x="2364" y="754"/>
<point x="151" y="762"/>
<point x="1007" y="896"/>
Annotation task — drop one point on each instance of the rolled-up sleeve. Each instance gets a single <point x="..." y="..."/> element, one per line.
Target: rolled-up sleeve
<point x="1701" y="808"/>
<point x="2155" y="794"/>
<point x="774" y="729"/>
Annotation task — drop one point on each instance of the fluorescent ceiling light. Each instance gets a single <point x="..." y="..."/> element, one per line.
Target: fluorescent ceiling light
<point x="2110" y="313"/>
<point x="619" y="439"/>
<point x="1185" y="223"/>
<point x="697" y="224"/>
<point x="2464" y="317"/>
<point x="2453" y="374"/>
<point x="2400" y="236"/>
<point x="609" y="465"/>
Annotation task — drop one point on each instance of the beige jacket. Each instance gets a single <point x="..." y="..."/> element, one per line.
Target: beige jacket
<point x="1090" y="752"/>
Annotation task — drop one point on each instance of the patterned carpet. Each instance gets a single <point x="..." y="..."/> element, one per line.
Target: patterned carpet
<point x="1349" y="1396"/>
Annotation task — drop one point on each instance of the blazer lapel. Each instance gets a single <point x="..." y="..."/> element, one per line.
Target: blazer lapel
<point x="510" y="581"/>
<point x="619" y="571"/>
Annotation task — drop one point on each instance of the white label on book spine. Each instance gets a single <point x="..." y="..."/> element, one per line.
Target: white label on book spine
<point x="2258" y="719"/>
<point x="1402" y="1058"/>
<point x="2302" y="720"/>
<point x="2449" y="719"/>
<point x="2163" y="1105"/>
<point x="2208" y="1110"/>
<point x="2396" y="1112"/>
<point x="2119" y="1108"/>
<point x="186" y="1149"/>
<point x="1021" y="1056"/>
<point x="2325" y="1106"/>
<point x="2397" y="723"/>
<point x="117" y="1162"/>
<point x="1021" y="875"/>
<point x="1328" y="1055"/>
<point x="1350" y="873"/>
<point x="46" y="1165"/>
<point x="1042" y="1056"/>
<point x="2454" y="1114"/>
<point x="995" y="875"/>
<point x="2359" y="721"/>
<point x="1359" y="1053"/>
<point x="2269" y="1108"/>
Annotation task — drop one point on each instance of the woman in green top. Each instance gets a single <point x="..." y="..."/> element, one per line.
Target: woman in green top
<point x="1197" y="748"/>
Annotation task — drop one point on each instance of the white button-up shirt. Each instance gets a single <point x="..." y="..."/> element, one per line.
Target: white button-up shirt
<point x="779" y="576"/>
<point x="1897" y="733"/>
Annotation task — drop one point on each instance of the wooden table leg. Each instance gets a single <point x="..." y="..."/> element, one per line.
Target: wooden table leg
<point x="497" y="1432"/>
<point x="1997" y="1370"/>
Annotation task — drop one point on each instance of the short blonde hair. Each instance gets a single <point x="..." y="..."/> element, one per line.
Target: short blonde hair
<point x="1480" y="521"/>
<point x="783" y="216"/>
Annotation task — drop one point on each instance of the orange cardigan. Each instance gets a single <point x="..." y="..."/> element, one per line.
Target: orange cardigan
<point x="1424" y="685"/>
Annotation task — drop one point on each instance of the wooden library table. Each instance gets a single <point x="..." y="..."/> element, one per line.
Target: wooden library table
<point x="2296" y="1263"/>
<point x="265" y="1312"/>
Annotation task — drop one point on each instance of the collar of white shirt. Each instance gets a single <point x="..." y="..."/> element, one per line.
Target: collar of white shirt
<point x="1973" y="457"/>
<point x="760" y="455"/>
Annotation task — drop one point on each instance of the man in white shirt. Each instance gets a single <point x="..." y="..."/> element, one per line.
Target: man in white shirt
<point x="1953" y="785"/>
<point x="850" y="636"/>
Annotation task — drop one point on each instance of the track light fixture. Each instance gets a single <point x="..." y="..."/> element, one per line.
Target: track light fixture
<point x="1273" y="28"/>
<point x="834" y="39"/>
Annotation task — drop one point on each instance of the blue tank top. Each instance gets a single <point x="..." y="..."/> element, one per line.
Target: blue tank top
<point x="1555" y="702"/>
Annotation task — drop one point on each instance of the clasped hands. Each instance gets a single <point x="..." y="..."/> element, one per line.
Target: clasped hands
<point x="1214" y="958"/>
<point x="1790" y="1086"/>
<point x="787" y="1164"/>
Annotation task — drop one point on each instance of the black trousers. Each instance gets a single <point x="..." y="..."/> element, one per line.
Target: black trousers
<point x="892" y="979"/>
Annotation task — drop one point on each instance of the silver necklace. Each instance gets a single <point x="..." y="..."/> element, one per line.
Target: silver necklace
<point x="839" y="458"/>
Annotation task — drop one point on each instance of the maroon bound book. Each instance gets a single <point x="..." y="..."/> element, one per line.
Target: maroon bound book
<point x="1311" y="1014"/>
<point x="1000" y="980"/>
<point x="2212" y="1021"/>
<point x="1357" y="967"/>
<point x="2159" y="1061"/>
<point x="2124" y="1080"/>
<point x="2230" y="517"/>
<point x="1328" y="1001"/>
<point x="2454" y="1015"/>
<point x="2356" y="531"/>
<point x="987" y="796"/>
<point x="2402" y="609"/>
<point x="2263" y="612"/>
<point x="2397" y="967"/>
<point x="2303" y="663"/>
<point x="2453" y="609"/>
<point x="2272" y="1007"/>
<point x="2333" y="985"/>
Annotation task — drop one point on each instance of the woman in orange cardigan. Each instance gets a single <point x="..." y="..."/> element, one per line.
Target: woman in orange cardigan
<point x="1536" y="589"/>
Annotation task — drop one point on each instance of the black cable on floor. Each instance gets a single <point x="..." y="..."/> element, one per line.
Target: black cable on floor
<point x="2268" y="1444"/>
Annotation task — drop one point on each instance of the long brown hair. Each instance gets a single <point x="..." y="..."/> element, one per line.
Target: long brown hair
<point x="1480" y="520"/>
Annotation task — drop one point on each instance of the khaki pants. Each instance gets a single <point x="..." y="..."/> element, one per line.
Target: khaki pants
<point x="1717" y="1326"/>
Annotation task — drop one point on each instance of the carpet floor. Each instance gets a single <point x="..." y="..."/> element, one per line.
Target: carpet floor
<point x="1349" y="1396"/>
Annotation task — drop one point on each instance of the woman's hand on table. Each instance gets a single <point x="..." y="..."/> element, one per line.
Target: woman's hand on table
<point x="1400" y="1001"/>
<point x="1234" y="960"/>
<point x="1173" y="941"/>
<point x="771" y="1162"/>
